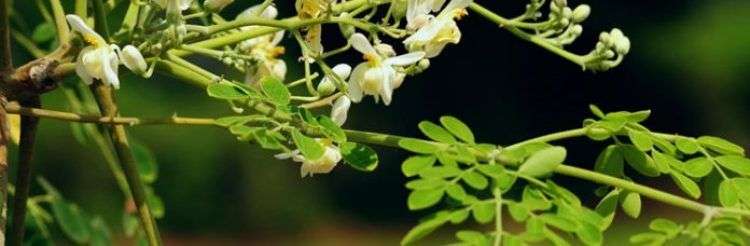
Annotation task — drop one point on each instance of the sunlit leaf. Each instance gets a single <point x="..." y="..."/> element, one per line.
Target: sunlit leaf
<point x="721" y="145"/>
<point x="458" y="128"/>
<point x="543" y="162"/>
<point x="483" y="212"/>
<point x="275" y="91"/>
<point x="737" y="164"/>
<point x="309" y="147"/>
<point x="640" y="140"/>
<point x="420" y="199"/>
<point x="413" y="165"/>
<point x="227" y="91"/>
<point x="436" y="132"/>
<point x="359" y="156"/>
<point x="418" y="146"/>
<point x="631" y="204"/>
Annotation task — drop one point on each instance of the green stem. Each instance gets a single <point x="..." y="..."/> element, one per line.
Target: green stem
<point x="23" y="173"/>
<point x="552" y="137"/>
<point x="507" y="24"/>
<point x="105" y="98"/>
<point x="28" y="44"/>
<point x="6" y="68"/>
<point x="81" y="8"/>
<point x="130" y="121"/>
<point x="63" y="33"/>
<point x="498" y="216"/>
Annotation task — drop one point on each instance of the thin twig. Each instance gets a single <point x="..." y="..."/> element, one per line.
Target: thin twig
<point x="132" y="121"/>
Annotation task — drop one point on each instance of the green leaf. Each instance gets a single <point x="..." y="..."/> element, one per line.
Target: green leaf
<point x="543" y="162"/>
<point x="331" y="129"/>
<point x="147" y="167"/>
<point x="309" y="147"/>
<point x="472" y="238"/>
<point x="425" y="184"/>
<point x="720" y="145"/>
<point x="664" y="225"/>
<point x="129" y="224"/>
<point x="425" y="228"/>
<point x="518" y="212"/>
<point x="737" y="164"/>
<point x="227" y="91"/>
<point x="264" y="138"/>
<point x="698" y="167"/>
<point x="483" y="212"/>
<point x="154" y="203"/>
<point x="631" y="204"/>
<point x="641" y="140"/>
<point x="72" y="221"/>
<point x="589" y="234"/>
<point x="420" y="199"/>
<point x="494" y="171"/>
<point x="100" y="233"/>
<point x="418" y="146"/>
<point x="728" y="194"/>
<point x="459" y="216"/>
<point x="456" y="191"/>
<point x="687" y="145"/>
<point x="276" y="91"/>
<point x="415" y="164"/>
<point x="534" y="199"/>
<point x="436" y="132"/>
<point x="596" y="111"/>
<point x="610" y="161"/>
<point x="560" y="222"/>
<point x="440" y="172"/>
<point x="664" y="162"/>
<point x="639" y="161"/>
<point x="686" y="184"/>
<point x="741" y="186"/>
<point x="446" y="159"/>
<point x="607" y="207"/>
<point x="475" y="180"/>
<point x="234" y="120"/>
<point x="359" y="156"/>
<point x="458" y="128"/>
<point x="43" y="32"/>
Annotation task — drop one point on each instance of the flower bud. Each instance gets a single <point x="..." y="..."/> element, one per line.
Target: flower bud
<point x="340" y="110"/>
<point x="561" y="3"/>
<point x="576" y="30"/>
<point x="567" y="13"/>
<point x="385" y="49"/>
<point x="423" y="64"/>
<point x="215" y="6"/>
<point x="581" y="13"/>
<point x="133" y="60"/>
<point x="622" y="45"/>
<point x="326" y="87"/>
<point x="604" y="38"/>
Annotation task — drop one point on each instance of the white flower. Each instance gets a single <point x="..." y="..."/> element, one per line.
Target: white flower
<point x="133" y="60"/>
<point x="98" y="60"/>
<point x="377" y="76"/>
<point x="182" y="4"/>
<point x="418" y="12"/>
<point x="324" y="164"/>
<point x="340" y="110"/>
<point x="216" y="5"/>
<point x="438" y="32"/>
<point x="264" y="49"/>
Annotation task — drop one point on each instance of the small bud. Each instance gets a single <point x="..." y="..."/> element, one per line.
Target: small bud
<point x="133" y="60"/>
<point x="423" y="64"/>
<point x="326" y="87"/>
<point x="604" y="38"/>
<point x="622" y="45"/>
<point x="567" y="13"/>
<point x="609" y="54"/>
<point x="561" y="3"/>
<point x="598" y="133"/>
<point x="581" y="13"/>
<point x="215" y="6"/>
<point x="576" y="30"/>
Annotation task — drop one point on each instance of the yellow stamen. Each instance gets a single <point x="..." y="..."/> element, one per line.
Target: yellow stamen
<point x="373" y="59"/>
<point x="90" y="40"/>
<point x="276" y="52"/>
<point x="460" y="13"/>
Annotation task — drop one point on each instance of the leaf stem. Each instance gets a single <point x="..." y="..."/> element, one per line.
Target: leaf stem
<point x="63" y="33"/>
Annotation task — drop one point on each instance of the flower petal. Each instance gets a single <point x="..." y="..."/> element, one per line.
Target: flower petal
<point x="405" y="60"/>
<point x="89" y="35"/>
<point x="361" y="44"/>
<point x="342" y="70"/>
<point x="133" y="60"/>
<point x="340" y="110"/>
<point x="386" y="92"/>
<point x="358" y="75"/>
